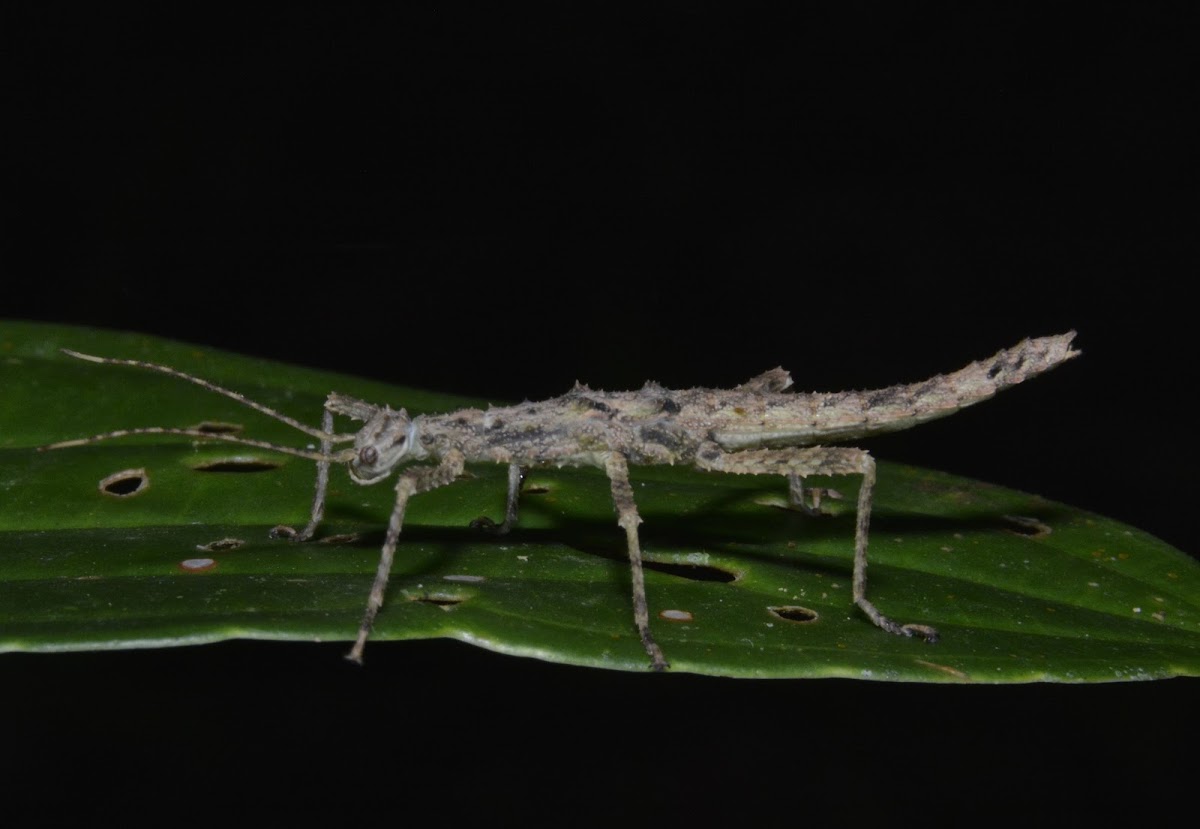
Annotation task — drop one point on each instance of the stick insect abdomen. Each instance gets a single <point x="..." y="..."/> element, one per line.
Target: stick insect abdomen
<point x="782" y="419"/>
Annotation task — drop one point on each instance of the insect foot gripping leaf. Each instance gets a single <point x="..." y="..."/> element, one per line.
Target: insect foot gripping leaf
<point x="758" y="428"/>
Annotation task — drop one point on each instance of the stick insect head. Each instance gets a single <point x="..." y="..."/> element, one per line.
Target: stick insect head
<point x="387" y="440"/>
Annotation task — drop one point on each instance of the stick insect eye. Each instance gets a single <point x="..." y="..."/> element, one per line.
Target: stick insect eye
<point x="368" y="455"/>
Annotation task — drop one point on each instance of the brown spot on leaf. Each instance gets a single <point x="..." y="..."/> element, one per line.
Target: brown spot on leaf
<point x="216" y="427"/>
<point x="220" y="544"/>
<point x="676" y="615"/>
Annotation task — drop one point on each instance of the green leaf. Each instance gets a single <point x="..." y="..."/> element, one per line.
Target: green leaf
<point x="1021" y="588"/>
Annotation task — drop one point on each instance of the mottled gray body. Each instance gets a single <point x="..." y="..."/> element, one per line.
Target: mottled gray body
<point x="660" y="426"/>
<point x="759" y="427"/>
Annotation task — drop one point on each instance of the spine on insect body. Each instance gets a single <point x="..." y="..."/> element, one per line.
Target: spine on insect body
<point x="805" y="419"/>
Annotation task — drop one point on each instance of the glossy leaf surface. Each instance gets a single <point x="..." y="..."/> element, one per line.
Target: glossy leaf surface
<point x="1022" y="589"/>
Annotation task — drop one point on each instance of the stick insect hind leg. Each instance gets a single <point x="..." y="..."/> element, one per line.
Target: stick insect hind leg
<point x="796" y="463"/>
<point x="628" y="519"/>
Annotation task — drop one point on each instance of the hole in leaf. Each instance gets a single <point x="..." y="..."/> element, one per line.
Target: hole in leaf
<point x="535" y="489"/>
<point x="1029" y="527"/>
<point x="216" y="427"/>
<point x="197" y="565"/>
<point x="237" y="465"/>
<point x="126" y="483"/>
<point x="695" y="572"/>
<point x="444" y="602"/>
<point x="340" y="538"/>
<point x="794" y="613"/>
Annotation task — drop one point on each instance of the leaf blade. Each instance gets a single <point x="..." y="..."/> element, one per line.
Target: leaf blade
<point x="1090" y="600"/>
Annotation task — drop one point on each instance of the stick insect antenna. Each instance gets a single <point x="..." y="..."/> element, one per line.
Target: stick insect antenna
<point x="213" y="387"/>
<point x="337" y="457"/>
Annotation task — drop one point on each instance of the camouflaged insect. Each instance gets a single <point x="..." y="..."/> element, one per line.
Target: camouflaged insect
<point x="757" y="428"/>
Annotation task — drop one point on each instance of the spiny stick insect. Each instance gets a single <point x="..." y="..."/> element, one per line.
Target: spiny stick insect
<point x="757" y="428"/>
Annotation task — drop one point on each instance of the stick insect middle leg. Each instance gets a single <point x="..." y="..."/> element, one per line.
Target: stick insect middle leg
<point x="798" y="462"/>
<point x="516" y="478"/>
<point x="797" y="492"/>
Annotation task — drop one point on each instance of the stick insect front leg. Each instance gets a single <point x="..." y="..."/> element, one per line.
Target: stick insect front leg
<point x="411" y="482"/>
<point x="797" y="463"/>
<point x="318" y="506"/>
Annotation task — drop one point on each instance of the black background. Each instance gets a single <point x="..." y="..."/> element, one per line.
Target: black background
<point x="499" y="203"/>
